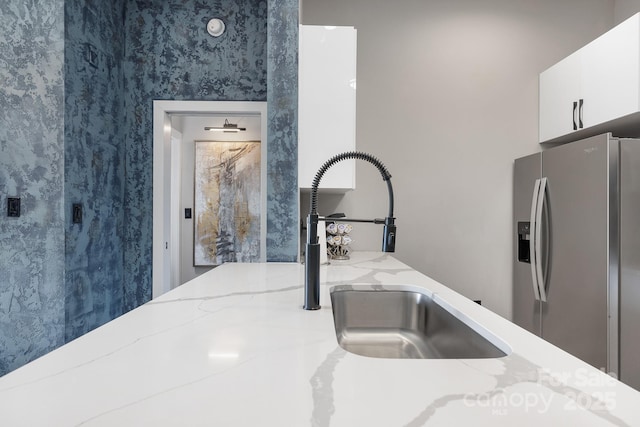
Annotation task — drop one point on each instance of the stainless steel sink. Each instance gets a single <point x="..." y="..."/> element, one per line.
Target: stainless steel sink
<point x="404" y="324"/>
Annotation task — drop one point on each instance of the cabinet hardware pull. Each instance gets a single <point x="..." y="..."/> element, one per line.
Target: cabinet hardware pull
<point x="575" y="107"/>
<point x="580" y="114"/>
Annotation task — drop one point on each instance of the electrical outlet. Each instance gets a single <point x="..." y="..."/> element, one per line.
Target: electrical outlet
<point x="13" y="206"/>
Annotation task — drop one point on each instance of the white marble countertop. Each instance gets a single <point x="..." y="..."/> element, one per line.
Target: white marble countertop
<point x="234" y="348"/>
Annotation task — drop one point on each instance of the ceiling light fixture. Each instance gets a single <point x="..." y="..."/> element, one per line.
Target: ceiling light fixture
<point x="227" y="127"/>
<point x="215" y="27"/>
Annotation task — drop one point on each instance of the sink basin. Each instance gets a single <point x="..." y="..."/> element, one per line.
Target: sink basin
<point x="407" y="324"/>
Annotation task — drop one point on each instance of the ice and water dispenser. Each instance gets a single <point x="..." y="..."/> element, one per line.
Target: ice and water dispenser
<point x="523" y="241"/>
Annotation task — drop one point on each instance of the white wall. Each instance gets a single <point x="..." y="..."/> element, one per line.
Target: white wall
<point x="625" y="8"/>
<point x="447" y="98"/>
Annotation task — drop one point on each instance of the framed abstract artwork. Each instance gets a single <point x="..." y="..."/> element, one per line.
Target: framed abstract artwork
<point x="227" y="202"/>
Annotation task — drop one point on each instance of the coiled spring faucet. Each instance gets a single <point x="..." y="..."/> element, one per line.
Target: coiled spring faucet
<point x="312" y="253"/>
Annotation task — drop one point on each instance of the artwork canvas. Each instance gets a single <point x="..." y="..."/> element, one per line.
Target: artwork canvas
<point x="227" y="202"/>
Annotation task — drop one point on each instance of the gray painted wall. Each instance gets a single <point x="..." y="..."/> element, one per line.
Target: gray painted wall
<point x="447" y="98"/>
<point x="625" y="9"/>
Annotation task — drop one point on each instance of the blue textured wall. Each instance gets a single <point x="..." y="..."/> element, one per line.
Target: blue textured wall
<point x="79" y="133"/>
<point x="170" y="55"/>
<point x="94" y="163"/>
<point x="282" y="111"/>
<point x="32" y="168"/>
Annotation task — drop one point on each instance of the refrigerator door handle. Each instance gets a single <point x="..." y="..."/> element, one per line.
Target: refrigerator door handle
<point x="538" y="240"/>
<point x="532" y="241"/>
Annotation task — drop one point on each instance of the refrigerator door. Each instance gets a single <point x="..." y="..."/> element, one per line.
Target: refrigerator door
<point x="574" y="317"/>
<point x="629" y="370"/>
<point x="526" y="304"/>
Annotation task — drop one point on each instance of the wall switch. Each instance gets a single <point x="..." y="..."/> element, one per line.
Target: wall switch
<point x="76" y="213"/>
<point x="187" y="213"/>
<point x="91" y="55"/>
<point x="13" y="206"/>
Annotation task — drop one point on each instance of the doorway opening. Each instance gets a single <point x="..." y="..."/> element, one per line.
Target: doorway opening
<point x="176" y="127"/>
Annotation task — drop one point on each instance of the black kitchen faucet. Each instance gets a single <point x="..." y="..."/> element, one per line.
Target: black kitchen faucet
<point x="312" y="252"/>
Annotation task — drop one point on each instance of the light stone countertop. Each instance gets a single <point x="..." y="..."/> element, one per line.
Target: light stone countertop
<point x="233" y="347"/>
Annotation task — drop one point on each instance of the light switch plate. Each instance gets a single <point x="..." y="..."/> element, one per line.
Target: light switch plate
<point x="76" y="213"/>
<point x="91" y="55"/>
<point x="13" y="206"/>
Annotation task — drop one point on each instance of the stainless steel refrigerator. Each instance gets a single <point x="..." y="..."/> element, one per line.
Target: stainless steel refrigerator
<point x="577" y="250"/>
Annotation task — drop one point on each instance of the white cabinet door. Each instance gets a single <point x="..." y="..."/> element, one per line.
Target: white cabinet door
<point x="610" y="74"/>
<point x="594" y="90"/>
<point x="559" y="90"/>
<point x="326" y="104"/>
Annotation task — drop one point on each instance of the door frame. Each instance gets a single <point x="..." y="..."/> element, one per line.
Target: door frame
<point x="166" y="198"/>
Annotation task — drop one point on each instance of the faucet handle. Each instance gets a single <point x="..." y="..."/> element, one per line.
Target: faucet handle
<point x="389" y="235"/>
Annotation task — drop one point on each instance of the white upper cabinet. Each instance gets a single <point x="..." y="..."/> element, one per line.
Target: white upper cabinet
<point x="326" y="104"/>
<point x="559" y="90"/>
<point x="594" y="90"/>
<point x="611" y="73"/>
